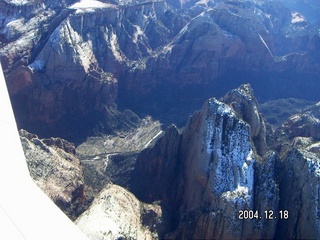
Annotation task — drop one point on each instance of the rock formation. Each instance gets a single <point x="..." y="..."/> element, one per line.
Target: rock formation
<point x="219" y="171"/>
<point x="299" y="195"/>
<point x="219" y="174"/>
<point x="244" y="103"/>
<point x="117" y="214"/>
<point x="56" y="170"/>
<point x="206" y="181"/>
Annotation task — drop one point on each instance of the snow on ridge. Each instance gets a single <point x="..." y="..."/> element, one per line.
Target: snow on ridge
<point x="297" y="18"/>
<point x="233" y="159"/>
<point x="19" y="2"/>
<point x="90" y="5"/>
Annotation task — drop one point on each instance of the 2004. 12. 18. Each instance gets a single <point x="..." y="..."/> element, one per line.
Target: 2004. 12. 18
<point x="267" y="214"/>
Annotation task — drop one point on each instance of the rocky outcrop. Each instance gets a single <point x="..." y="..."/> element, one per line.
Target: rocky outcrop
<point x="244" y="103"/>
<point x="299" y="195"/>
<point x="299" y="186"/>
<point x="118" y="214"/>
<point x="305" y="125"/>
<point x="298" y="127"/>
<point x="211" y="171"/>
<point x="56" y="170"/>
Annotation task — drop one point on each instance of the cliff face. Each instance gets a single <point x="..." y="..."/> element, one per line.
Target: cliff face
<point x="299" y="145"/>
<point x="219" y="170"/>
<point x="156" y="167"/>
<point x="69" y="61"/>
<point x="56" y="170"/>
<point x="299" y="194"/>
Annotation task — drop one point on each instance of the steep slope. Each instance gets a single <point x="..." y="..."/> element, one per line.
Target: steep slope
<point x="56" y="170"/>
<point x="301" y="173"/>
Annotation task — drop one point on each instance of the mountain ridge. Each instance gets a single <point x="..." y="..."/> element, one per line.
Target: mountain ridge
<point x="156" y="54"/>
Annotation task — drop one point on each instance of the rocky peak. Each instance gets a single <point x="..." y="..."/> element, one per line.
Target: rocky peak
<point x="219" y="140"/>
<point x="218" y="162"/>
<point x="244" y="103"/>
<point x="60" y="143"/>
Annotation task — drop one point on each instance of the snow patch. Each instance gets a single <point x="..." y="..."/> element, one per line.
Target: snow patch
<point x="239" y="195"/>
<point x="19" y="2"/>
<point x="90" y="6"/>
<point x="137" y="33"/>
<point x="314" y="166"/>
<point x="265" y="44"/>
<point x="297" y="18"/>
<point x="114" y="46"/>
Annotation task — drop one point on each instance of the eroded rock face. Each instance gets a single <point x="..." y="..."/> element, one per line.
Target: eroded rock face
<point x="216" y="171"/>
<point x="219" y="141"/>
<point x="117" y="213"/>
<point x="242" y="100"/>
<point x="300" y="130"/>
<point x="266" y="196"/>
<point x="56" y="170"/>
<point x="219" y="171"/>
<point x="156" y="168"/>
<point x="299" y="194"/>
<point x="304" y="125"/>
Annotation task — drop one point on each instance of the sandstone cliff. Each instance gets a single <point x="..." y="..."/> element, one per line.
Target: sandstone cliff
<point x="56" y="170"/>
<point x="156" y="167"/>
<point x="299" y="194"/>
